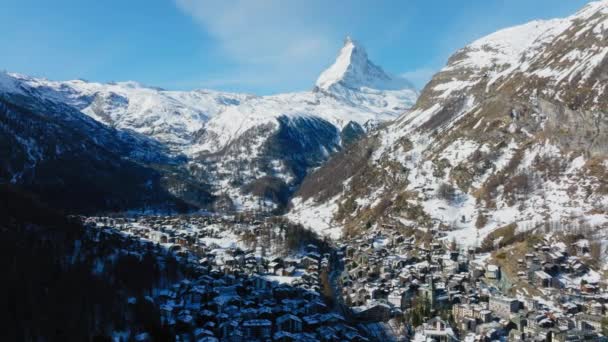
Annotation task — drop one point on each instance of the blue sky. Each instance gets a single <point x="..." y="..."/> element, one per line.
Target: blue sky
<point x="257" y="46"/>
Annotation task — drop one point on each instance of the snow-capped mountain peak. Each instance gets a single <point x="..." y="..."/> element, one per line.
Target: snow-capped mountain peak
<point x="514" y="46"/>
<point x="505" y="107"/>
<point x="263" y="141"/>
<point x="343" y="65"/>
<point x="353" y="69"/>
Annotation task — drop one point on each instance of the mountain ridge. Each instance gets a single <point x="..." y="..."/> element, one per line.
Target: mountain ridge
<point x="225" y="139"/>
<point x="353" y="69"/>
<point x="511" y="130"/>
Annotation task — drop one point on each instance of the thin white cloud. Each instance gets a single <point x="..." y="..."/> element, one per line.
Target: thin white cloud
<point x="285" y="44"/>
<point x="272" y="37"/>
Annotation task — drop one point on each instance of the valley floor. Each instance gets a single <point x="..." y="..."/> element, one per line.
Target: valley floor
<point x="255" y="278"/>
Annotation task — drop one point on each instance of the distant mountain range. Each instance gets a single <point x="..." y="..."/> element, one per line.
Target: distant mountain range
<point x="209" y="149"/>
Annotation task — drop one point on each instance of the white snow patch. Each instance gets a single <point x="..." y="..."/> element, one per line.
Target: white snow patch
<point x="318" y="217"/>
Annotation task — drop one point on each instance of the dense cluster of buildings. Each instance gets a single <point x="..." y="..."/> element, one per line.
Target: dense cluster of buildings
<point x="233" y="293"/>
<point x="441" y="293"/>
<point x="385" y="286"/>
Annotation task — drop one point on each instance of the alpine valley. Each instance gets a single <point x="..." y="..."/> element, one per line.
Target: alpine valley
<point x="207" y="149"/>
<point x="363" y="209"/>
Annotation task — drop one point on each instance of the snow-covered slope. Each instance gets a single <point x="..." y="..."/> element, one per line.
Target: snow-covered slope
<point x="278" y="138"/>
<point x="233" y="121"/>
<point x="550" y="57"/>
<point x="171" y="117"/>
<point x="81" y="165"/>
<point x="179" y="118"/>
<point x="512" y="130"/>
<point x="240" y="143"/>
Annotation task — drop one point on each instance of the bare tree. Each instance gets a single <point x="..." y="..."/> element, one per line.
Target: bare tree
<point x="446" y="191"/>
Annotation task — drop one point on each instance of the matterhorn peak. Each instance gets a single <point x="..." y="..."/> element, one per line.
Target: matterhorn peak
<point x="353" y="69"/>
<point x="348" y="40"/>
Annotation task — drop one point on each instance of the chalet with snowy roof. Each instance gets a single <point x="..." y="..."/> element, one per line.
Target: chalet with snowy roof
<point x="257" y="329"/>
<point x="543" y="279"/>
<point x="492" y="272"/>
<point x="374" y="312"/>
<point x="289" y="323"/>
<point x="435" y="329"/>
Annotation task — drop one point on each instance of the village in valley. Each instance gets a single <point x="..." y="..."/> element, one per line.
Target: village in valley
<point x="443" y="293"/>
<point x="231" y="292"/>
<point x="248" y="278"/>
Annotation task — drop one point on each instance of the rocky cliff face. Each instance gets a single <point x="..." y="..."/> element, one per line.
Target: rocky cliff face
<point x="512" y="130"/>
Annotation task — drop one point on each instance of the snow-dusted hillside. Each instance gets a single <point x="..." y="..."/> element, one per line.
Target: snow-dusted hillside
<point x="171" y="117"/>
<point x="512" y="130"/>
<point x="81" y="165"/>
<point x="234" y="121"/>
<point x="254" y="150"/>
<point x="361" y="93"/>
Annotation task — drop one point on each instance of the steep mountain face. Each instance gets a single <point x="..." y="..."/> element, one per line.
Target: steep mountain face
<point x="353" y="69"/>
<point x="512" y="130"/>
<point x="354" y="79"/>
<point x="79" y="164"/>
<point x="253" y="150"/>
